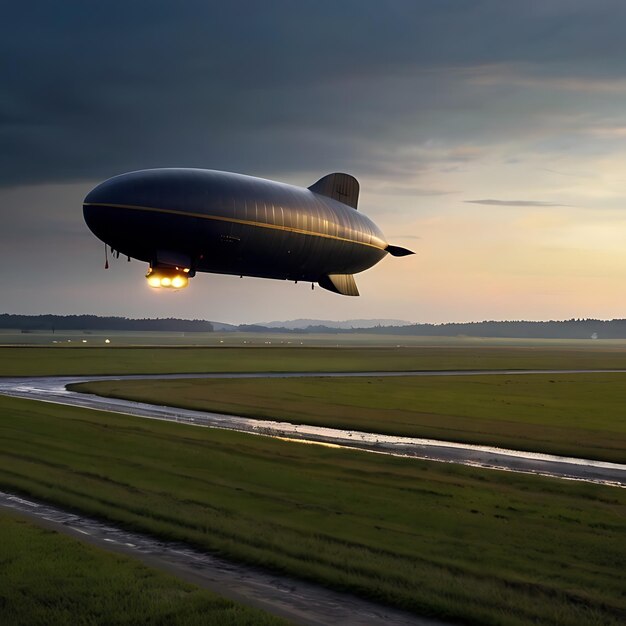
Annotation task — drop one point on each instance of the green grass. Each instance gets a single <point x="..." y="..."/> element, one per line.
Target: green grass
<point x="581" y="415"/>
<point x="474" y="545"/>
<point x="48" y="578"/>
<point x="67" y="338"/>
<point x="36" y="361"/>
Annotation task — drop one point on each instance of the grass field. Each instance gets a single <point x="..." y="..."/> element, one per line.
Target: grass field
<point x="36" y="361"/>
<point x="581" y="415"/>
<point x="47" y="578"/>
<point x="474" y="545"/>
<point x="74" y="338"/>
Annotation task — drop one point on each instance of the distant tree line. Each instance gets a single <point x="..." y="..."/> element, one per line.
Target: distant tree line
<point x="566" y="329"/>
<point x="53" y="323"/>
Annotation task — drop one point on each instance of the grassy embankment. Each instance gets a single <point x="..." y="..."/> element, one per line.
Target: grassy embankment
<point x="582" y="415"/>
<point x="48" y="578"/>
<point x="479" y="546"/>
<point x="36" y="361"/>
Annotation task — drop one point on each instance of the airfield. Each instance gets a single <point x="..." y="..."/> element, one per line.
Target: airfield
<point x="450" y="540"/>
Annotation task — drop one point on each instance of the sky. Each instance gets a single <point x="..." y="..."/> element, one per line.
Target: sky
<point x="487" y="136"/>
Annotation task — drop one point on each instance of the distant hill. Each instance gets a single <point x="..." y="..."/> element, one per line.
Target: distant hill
<point x="347" y="324"/>
<point x="221" y="327"/>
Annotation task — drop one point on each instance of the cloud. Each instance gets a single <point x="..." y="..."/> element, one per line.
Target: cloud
<point x="280" y="87"/>
<point x="570" y="174"/>
<point x="530" y="203"/>
<point x="609" y="132"/>
<point x="408" y="190"/>
<point x="532" y="77"/>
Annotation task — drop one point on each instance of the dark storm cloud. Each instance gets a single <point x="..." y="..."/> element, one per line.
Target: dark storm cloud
<point x="531" y="203"/>
<point x="92" y="89"/>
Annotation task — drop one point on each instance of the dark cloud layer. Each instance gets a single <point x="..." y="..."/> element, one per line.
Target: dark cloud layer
<point x="92" y="89"/>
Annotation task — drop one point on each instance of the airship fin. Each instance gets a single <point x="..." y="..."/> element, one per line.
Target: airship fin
<point x="341" y="187"/>
<point x="340" y="283"/>
<point x="398" y="251"/>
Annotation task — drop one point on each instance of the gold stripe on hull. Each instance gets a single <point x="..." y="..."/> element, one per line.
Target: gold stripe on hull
<point x="233" y="220"/>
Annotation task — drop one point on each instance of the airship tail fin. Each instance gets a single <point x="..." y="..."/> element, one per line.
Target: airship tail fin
<point x="340" y="283"/>
<point x="341" y="187"/>
<point x="398" y="251"/>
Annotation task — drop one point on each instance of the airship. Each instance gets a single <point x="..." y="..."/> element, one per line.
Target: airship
<point x="182" y="221"/>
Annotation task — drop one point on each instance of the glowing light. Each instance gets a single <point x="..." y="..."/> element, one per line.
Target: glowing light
<point x="107" y="341"/>
<point x="167" y="277"/>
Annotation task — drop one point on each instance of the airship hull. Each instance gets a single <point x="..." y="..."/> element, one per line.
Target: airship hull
<point x="218" y="222"/>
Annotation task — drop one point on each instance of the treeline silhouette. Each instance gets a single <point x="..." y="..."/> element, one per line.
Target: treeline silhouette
<point x="566" y="329"/>
<point x="554" y="329"/>
<point x="95" y="322"/>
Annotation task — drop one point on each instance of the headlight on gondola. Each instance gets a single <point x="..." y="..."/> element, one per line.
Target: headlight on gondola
<point x="170" y="278"/>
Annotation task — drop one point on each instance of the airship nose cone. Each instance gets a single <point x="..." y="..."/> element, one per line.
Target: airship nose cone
<point x="124" y="189"/>
<point x="103" y="207"/>
<point x="132" y="212"/>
